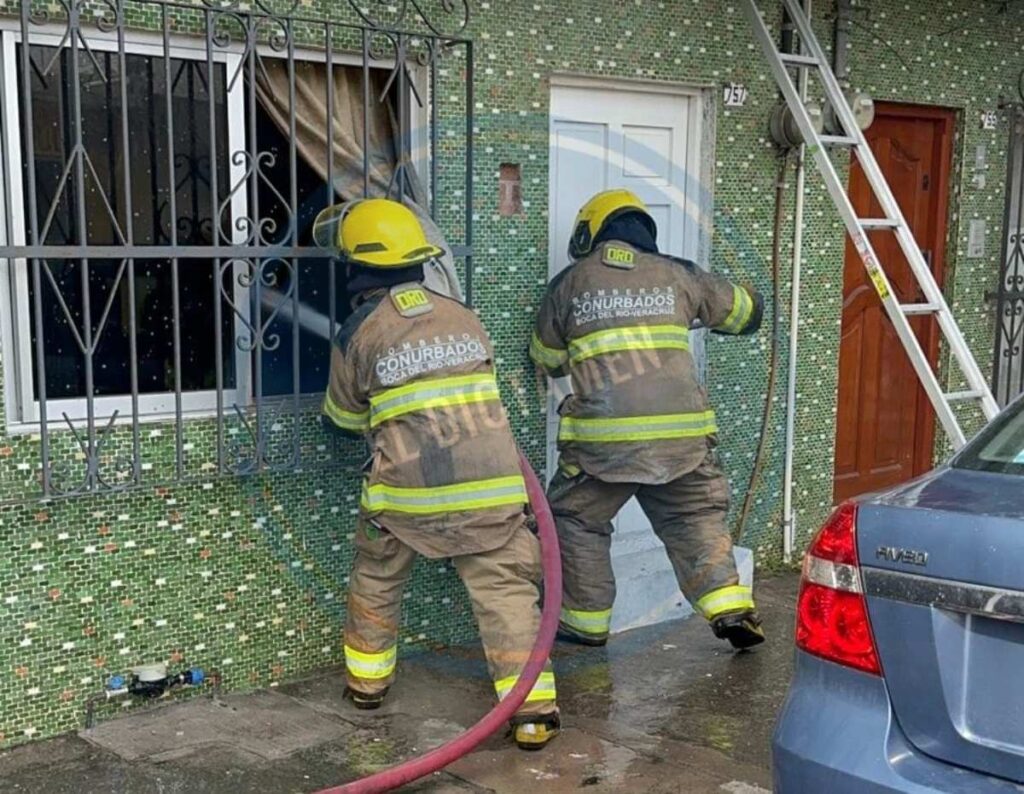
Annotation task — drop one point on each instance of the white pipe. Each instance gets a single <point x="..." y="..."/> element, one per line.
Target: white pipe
<point x="788" y="514"/>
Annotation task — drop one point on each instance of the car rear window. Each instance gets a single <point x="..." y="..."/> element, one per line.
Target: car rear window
<point x="1000" y="446"/>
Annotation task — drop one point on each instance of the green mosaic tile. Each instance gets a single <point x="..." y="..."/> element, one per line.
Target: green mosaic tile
<point x="247" y="576"/>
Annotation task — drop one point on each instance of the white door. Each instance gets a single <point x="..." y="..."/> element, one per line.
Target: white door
<point x="647" y="140"/>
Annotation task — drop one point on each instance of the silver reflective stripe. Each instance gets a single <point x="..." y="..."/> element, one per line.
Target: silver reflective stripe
<point x="639" y="337"/>
<point x="635" y="426"/>
<point x="373" y="666"/>
<point x="638" y="428"/>
<point x="477" y="494"/>
<point x="548" y="357"/>
<point x="431" y="394"/>
<point x="991" y="602"/>
<point x="725" y="599"/>
<point x="596" y="622"/>
<point x="742" y="308"/>
<point x="347" y="420"/>
<point x="446" y="499"/>
<point x="543" y="688"/>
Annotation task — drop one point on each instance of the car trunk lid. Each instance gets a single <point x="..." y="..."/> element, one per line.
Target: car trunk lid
<point x="942" y="563"/>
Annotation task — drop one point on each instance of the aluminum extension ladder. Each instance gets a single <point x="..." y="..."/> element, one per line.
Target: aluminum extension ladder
<point x="814" y="58"/>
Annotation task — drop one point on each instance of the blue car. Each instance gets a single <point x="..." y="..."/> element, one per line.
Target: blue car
<point x="910" y="635"/>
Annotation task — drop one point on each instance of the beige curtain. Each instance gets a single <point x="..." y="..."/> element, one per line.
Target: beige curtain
<point x="348" y="129"/>
<point x="311" y="123"/>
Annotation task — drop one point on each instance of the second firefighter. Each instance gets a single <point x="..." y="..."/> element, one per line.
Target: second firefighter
<point x="637" y="423"/>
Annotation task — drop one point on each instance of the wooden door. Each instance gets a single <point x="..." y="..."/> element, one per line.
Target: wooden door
<point x="885" y="425"/>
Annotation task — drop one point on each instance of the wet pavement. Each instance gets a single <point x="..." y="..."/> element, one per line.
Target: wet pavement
<point x="661" y="709"/>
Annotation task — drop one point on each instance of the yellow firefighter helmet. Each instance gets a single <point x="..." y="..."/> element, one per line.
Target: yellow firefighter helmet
<point x="377" y="233"/>
<point x="597" y="213"/>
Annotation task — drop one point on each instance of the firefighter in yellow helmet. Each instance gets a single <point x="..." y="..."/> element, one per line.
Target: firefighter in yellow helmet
<point x="618" y="320"/>
<point x="412" y="371"/>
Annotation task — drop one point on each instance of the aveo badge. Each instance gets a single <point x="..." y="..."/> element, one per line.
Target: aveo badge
<point x="901" y="555"/>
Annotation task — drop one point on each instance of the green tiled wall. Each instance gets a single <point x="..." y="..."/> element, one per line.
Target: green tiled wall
<point x="247" y="577"/>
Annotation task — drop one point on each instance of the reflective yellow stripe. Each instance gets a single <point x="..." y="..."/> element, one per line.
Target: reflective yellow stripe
<point x="372" y="666"/>
<point x="599" y="622"/>
<point x="742" y="308"/>
<point x="569" y="469"/>
<point x="725" y="599"/>
<point x="543" y="689"/>
<point x="635" y="337"/>
<point x="473" y="495"/>
<point x="638" y="428"/>
<point x="437" y="393"/>
<point x="346" y="420"/>
<point x="549" y="357"/>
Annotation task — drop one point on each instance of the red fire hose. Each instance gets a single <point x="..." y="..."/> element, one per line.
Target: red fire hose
<point x="496" y="719"/>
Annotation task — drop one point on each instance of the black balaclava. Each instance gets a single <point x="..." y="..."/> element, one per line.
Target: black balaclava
<point x="635" y="228"/>
<point x="363" y="279"/>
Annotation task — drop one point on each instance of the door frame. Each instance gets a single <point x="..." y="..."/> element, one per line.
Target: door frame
<point x="947" y="118"/>
<point x="702" y="132"/>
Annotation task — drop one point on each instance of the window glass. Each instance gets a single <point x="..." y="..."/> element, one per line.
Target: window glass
<point x="1000" y="447"/>
<point x="308" y="278"/>
<point x="95" y="215"/>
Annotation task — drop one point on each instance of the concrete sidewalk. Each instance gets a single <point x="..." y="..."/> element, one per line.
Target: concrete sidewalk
<point x="661" y="709"/>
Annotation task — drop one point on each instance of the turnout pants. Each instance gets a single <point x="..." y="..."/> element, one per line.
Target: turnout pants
<point x="688" y="516"/>
<point x="503" y="589"/>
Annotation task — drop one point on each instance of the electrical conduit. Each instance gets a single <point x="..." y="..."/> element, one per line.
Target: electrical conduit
<point x="498" y="717"/>
<point x="773" y="356"/>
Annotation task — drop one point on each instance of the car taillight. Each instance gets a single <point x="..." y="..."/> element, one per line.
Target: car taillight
<point x="832" y="615"/>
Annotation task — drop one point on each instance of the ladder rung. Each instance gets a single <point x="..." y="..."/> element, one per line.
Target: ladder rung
<point x="960" y="396"/>
<point x="919" y="308"/>
<point x="797" y="60"/>
<point x="878" y="223"/>
<point x="837" y="140"/>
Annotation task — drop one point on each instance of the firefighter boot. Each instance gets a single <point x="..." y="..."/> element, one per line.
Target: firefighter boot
<point x="742" y="629"/>
<point x="366" y="701"/>
<point x="533" y="732"/>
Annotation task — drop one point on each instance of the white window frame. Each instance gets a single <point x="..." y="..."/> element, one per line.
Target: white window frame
<point x="23" y="408"/>
<point x="22" y="413"/>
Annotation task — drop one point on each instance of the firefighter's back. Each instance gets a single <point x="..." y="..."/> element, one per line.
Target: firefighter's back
<point x="638" y="425"/>
<point x="444" y="473"/>
<point x="638" y="412"/>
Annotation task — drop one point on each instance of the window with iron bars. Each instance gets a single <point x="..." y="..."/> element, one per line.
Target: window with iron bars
<point x="160" y="191"/>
